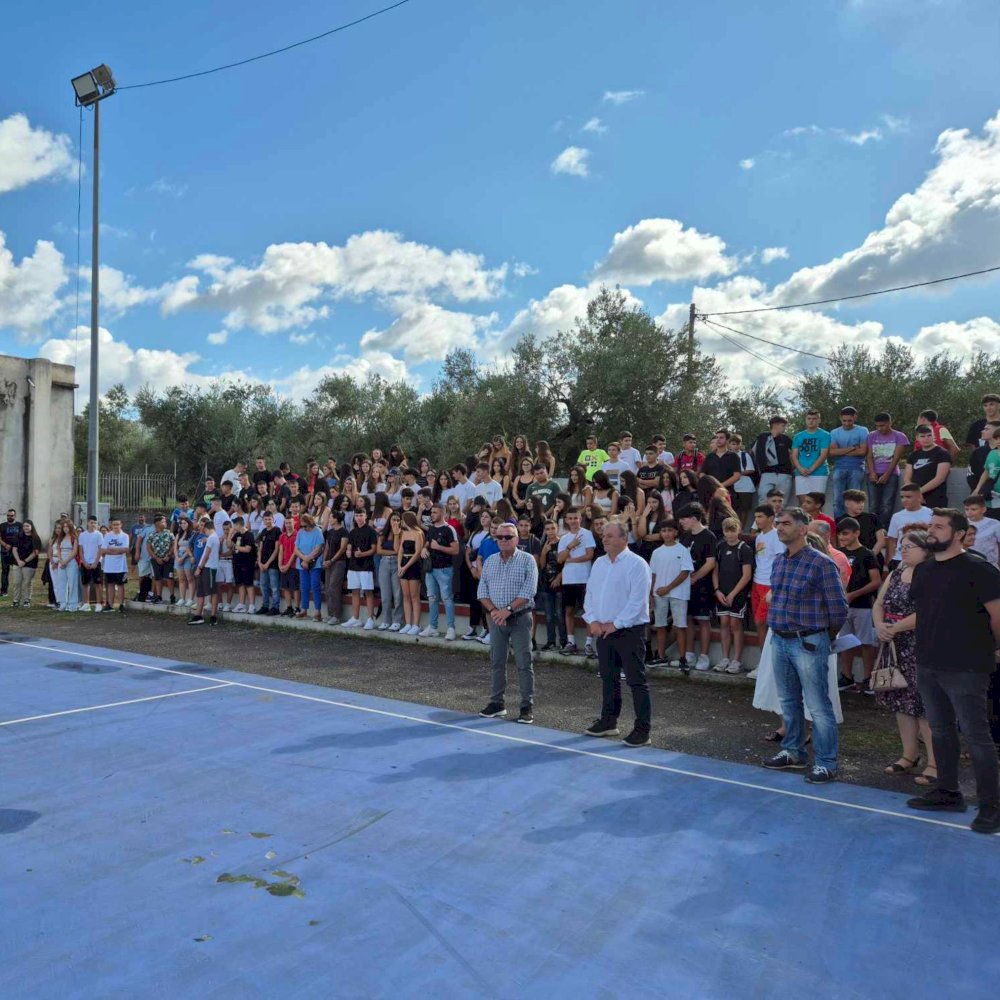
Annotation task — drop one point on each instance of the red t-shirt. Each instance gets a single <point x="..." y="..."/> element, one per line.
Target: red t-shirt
<point x="286" y="546"/>
<point x="829" y="520"/>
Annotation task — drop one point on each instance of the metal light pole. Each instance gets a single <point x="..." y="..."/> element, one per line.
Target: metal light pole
<point x="91" y="88"/>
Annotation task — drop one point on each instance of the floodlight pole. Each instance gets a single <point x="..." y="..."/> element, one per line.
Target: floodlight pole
<point x="93" y="439"/>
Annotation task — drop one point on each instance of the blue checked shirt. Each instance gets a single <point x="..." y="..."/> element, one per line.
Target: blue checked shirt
<point x="806" y="593"/>
<point x="504" y="582"/>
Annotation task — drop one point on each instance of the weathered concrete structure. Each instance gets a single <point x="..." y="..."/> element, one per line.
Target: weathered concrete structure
<point x="36" y="439"/>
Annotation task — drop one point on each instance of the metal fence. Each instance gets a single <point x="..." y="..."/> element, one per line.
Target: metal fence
<point x="132" y="491"/>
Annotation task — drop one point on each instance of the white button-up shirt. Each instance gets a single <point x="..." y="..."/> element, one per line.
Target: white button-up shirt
<point x="618" y="591"/>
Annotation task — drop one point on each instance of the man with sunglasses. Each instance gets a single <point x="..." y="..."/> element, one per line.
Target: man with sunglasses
<point x="507" y="593"/>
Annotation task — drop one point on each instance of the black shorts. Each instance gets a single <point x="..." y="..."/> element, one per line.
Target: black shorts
<point x="242" y="574"/>
<point x="115" y="578"/>
<point x="205" y="581"/>
<point x="290" y="579"/>
<point x="702" y="601"/>
<point x="163" y="571"/>
<point x="413" y="573"/>
<point x="736" y="610"/>
<point x="573" y="594"/>
<point x="91" y="575"/>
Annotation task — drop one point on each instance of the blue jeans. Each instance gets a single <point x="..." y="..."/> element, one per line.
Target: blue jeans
<point x="555" y="620"/>
<point x="802" y="672"/>
<point x="882" y="500"/>
<point x="270" y="579"/>
<point x="439" y="589"/>
<point x="845" y="479"/>
<point x="309" y="583"/>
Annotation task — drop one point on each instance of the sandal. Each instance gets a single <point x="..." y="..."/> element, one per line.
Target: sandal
<point x="925" y="778"/>
<point x="898" y="768"/>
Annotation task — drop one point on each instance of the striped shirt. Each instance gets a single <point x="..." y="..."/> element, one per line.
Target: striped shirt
<point x="806" y="592"/>
<point x="504" y="582"/>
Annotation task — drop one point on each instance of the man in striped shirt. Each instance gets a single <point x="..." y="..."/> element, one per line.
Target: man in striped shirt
<point x="808" y="608"/>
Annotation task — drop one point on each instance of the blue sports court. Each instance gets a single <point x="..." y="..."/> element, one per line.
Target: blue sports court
<point x="175" y="830"/>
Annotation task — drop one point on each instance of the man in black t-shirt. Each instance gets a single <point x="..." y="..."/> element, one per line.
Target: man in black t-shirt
<point x="267" y="563"/>
<point x="260" y="473"/>
<point x="976" y="436"/>
<point x="227" y="497"/>
<point x="957" y="602"/>
<point x="928" y="467"/>
<point x="722" y="463"/>
<point x="651" y="471"/>
<point x="703" y="545"/>
<point x="361" y="543"/>
<point x="442" y="545"/>
<point x="335" y="567"/>
<point x="10" y="531"/>
<point x="861" y="588"/>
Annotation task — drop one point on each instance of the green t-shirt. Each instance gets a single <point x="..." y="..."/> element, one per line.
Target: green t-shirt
<point x="993" y="472"/>
<point x="546" y="492"/>
<point x="593" y="460"/>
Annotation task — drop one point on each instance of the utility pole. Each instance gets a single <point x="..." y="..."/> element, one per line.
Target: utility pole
<point x="692" y="314"/>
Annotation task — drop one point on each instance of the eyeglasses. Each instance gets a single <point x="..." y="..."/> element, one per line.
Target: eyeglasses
<point x="506" y="538"/>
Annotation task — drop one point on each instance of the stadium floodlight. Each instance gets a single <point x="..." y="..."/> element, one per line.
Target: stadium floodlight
<point x="89" y="90"/>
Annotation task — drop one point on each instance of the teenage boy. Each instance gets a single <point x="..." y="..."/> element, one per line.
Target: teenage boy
<point x="987" y="540"/>
<point x="861" y="589"/>
<point x="772" y="452"/>
<point x="91" y="579"/>
<point x="976" y="437"/>
<point x="689" y="458"/>
<point x="913" y="512"/>
<point x="260" y="473"/>
<point x="244" y="557"/>
<point x="928" y="466"/>
<point x="702" y="544"/>
<point x="810" y="448"/>
<point x="442" y="546"/>
<point x="575" y="554"/>
<point x="812" y="504"/>
<point x="544" y="488"/>
<point x="872" y="536"/>
<point x="767" y="547"/>
<point x="463" y="488"/>
<point x="849" y="450"/>
<point x="775" y="500"/>
<point x="160" y="546"/>
<point x="731" y="583"/>
<point x="977" y="460"/>
<point x="615" y="465"/>
<point x="227" y="497"/>
<point x="486" y="486"/>
<point x="650" y="473"/>
<point x="551" y="577"/>
<point x="942" y="436"/>
<point x="721" y="463"/>
<point x="267" y="564"/>
<point x="335" y="567"/>
<point x="663" y="456"/>
<point x="592" y="457"/>
<point x="988" y="486"/>
<point x="288" y="574"/>
<point x="183" y="509"/>
<point x="10" y="532"/>
<point x="886" y="449"/>
<point x="361" y="543"/>
<point x="744" y="490"/>
<point x="629" y="455"/>
<point x="115" y="549"/>
<point x="671" y="568"/>
<point x="204" y="574"/>
<point x="209" y="492"/>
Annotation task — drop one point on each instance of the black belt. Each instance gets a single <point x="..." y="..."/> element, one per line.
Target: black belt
<point x="797" y="633"/>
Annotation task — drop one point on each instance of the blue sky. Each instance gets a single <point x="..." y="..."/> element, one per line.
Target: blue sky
<point x="457" y="173"/>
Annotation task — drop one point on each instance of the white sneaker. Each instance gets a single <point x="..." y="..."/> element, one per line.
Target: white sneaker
<point x="413" y="630"/>
<point x="735" y="667"/>
<point x="395" y="627"/>
<point x="689" y="660"/>
<point x="384" y="627"/>
<point x="721" y="667"/>
<point x="429" y="633"/>
<point x="223" y="607"/>
<point x="702" y="663"/>
<point x="753" y="674"/>
<point x="332" y="621"/>
<point x="84" y="607"/>
<point x="470" y="635"/>
<point x="450" y="635"/>
<point x="485" y="638"/>
<point x="370" y="625"/>
<point x="351" y="623"/>
<point x="675" y="663"/>
<point x="240" y="609"/>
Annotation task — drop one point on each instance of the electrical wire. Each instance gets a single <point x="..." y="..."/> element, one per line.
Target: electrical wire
<point x="759" y="357"/>
<point x="773" y="343"/>
<point x="79" y="208"/>
<point x="265" y="55"/>
<point x="859" y="295"/>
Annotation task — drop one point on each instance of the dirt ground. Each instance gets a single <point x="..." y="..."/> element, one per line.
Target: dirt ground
<point x="691" y="716"/>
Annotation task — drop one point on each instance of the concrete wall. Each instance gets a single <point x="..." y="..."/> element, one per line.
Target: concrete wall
<point x="36" y="439"/>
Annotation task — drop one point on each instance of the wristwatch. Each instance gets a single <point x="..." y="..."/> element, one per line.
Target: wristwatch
<point x="509" y="608"/>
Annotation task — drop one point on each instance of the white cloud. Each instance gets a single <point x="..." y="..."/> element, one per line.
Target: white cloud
<point x="163" y="185"/>
<point x="663" y="250"/>
<point x="522" y="269"/>
<point x="218" y="338"/>
<point x="118" y="294"/>
<point x="981" y="333"/>
<point x="803" y="130"/>
<point x="301" y="383"/>
<point x="289" y="286"/>
<point x="301" y="339"/>
<point x="748" y="164"/>
<point x="860" y="138"/>
<point x="594" y="125"/>
<point x="32" y="154"/>
<point x="894" y="124"/>
<point x="573" y="161"/>
<point x="948" y="224"/>
<point x="770" y="254"/>
<point x="621" y="96"/>
<point x="29" y="291"/>
<point x="426" y="332"/>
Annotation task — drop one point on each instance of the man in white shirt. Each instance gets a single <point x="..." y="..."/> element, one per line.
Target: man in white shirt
<point x="663" y="456"/>
<point x="987" y="542"/>
<point x="615" y="466"/>
<point x="913" y="512"/>
<point x="219" y="517"/>
<point x="630" y="455"/>
<point x="204" y="574"/>
<point x="91" y="579"/>
<point x="616" y="610"/>
<point x="464" y="488"/>
<point x="671" y="567"/>
<point x="115" y="548"/>
<point x="232" y="476"/>
<point x="575" y="553"/>
<point x="486" y="486"/>
<point x="767" y="548"/>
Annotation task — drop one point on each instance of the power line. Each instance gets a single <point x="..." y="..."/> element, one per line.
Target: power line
<point x="858" y="295"/>
<point x="759" y="357"/>
<point x="265" y="55"/>
<point x="773" y="343"/>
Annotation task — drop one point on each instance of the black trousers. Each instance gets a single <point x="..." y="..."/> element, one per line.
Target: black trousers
<point x="624" y="650"/>
<point x="6" y="561"/>
<point x="955" y="698"/>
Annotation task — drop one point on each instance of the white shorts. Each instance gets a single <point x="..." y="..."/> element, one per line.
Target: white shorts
<point x="669" y="607"/>
<point x="360" y="579"/>
<point x="859" y="622"/>
<point x="224" y="574"/>
<point x="810" y="484"/>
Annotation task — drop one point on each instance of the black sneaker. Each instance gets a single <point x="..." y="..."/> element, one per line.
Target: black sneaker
<point x="865" y="687"/>
<point x="569" y="649"/>
<point x="548" y="646"/>
<point x="637" y="738"/>
<point x="121" y="609"/>
<point x="197" y="620"/>
<point x="526" y="717"/>
<point x="494" y="710"/>
<point x="938" y="800"/>
<point x="157" y="600"/>
<point x="819" y="775"/>
<point x="263" y="610"/>
<point x="844" y="683"/>
<point x="602" y="727"/>
<point x="784" y="761"/>
<point x="534" y="646"/>
<point x="274" y="613"/>
<point x="988" y="818"/>
<point x="213" y="620"/>
<point x="107" y="607"/>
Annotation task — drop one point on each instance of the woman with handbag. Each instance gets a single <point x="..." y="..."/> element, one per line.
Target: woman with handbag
<point x="894" y="679"/>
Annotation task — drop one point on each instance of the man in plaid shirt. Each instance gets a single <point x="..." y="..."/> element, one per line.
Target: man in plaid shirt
<point x="507" y="592"/>
<point x="808" y="607"/>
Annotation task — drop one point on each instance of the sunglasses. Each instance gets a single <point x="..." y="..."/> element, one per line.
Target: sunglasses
<point x="506" y="538"/>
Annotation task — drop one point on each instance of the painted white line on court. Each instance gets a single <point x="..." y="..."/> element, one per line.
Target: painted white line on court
<point x="115" y="704"/>
<point x="615" y="758"/>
